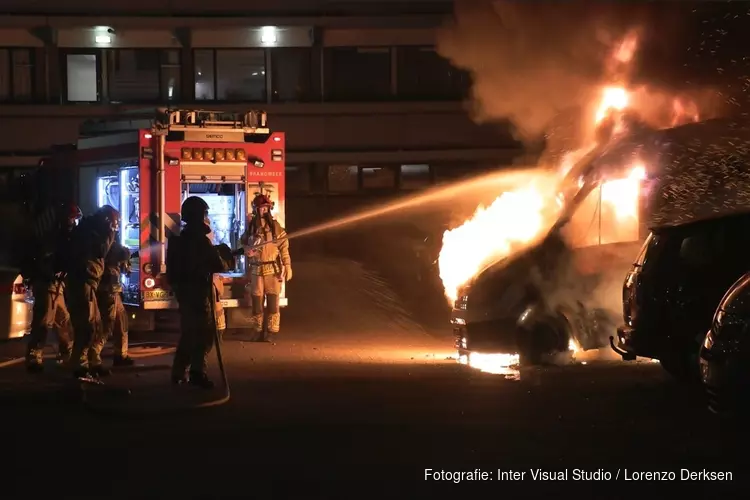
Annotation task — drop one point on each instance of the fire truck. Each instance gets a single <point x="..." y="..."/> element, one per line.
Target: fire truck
<point x="146" y="164"/>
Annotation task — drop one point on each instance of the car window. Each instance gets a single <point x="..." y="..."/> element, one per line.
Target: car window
<point x="703" y="249"/>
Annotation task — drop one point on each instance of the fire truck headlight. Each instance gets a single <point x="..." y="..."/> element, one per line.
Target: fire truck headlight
<point x="241" y="155"/>
<point x="149" y="283"/>
<point x="229" y="153"/>
<point x="198" y="154"/>
<point x="208" y="154"/>
<point x="187" y="154"/>
<point x="148" y="268"/>
<point x="219" y="155"/>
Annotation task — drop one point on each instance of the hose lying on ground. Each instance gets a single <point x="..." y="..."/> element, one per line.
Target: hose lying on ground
<point x="161" y="349"/>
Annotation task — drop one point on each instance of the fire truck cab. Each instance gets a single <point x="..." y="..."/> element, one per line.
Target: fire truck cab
<point x="146" y="164"/>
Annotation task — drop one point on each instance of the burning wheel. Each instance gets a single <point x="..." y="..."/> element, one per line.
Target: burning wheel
<point x="542" y="342"/>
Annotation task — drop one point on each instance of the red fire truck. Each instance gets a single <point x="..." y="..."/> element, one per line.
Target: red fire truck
<point x="146" y="164"/>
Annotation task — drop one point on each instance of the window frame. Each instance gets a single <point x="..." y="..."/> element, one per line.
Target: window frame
<point x="11" y="71"/>
<point x="214" y="57"/>
<point x="308" y="168"/>
<point x="393" y="169"/>
<point x="400" y="52"/>
<point x="111" y="54"/>
<point x="328" y="94"/>
<point x="271" y="55"/>
<point x="99" y="54"/>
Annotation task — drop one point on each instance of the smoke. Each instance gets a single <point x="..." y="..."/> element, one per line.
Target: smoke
<point x="586" y="284"/>
<point x="542" y="66"/>
<point x="532" y="63"/>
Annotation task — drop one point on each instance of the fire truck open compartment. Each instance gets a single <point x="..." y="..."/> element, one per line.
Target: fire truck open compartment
<point x="227" y="209"/>
<point x="147" y="163"/>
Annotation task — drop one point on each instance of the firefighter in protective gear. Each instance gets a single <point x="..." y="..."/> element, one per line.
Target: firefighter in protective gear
<point x="91" y="242"/>
<point x="270" y="265"/>
<point x="192" y="261"/>
<point x="46" y="271"/>
<point x="111" y="308"/>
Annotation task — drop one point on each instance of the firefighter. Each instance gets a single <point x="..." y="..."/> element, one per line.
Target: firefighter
<point x="111" y="308"/>
<point x="192" y="262"/>
<point x="46" y="271"/>
<point x="91" y="242"/>
<point x="270" y="264"/>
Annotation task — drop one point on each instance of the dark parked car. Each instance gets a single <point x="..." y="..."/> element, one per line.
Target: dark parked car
<point x="519" y="307"/>
<point x="725" y="353"/>
<point x="672" y="291"/>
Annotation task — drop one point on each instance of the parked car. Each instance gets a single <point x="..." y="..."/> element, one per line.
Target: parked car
<point x="674" y="286"/>
<point x="515" y="308"/>
<point x="16" y="305"/>
<point x="725" y="354"/>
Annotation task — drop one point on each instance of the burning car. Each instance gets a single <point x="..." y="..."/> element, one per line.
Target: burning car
<point x="536" y="307"/>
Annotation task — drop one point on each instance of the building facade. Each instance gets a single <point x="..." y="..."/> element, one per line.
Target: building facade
<point x="365" y="100"/>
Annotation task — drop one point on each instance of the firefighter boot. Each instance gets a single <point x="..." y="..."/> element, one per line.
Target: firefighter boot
<point x="200" y="379"/>
<point x="35" y="360"/>
<point x="274" y="316"/>
<point x="256" y="321"/>
<point x="122" y="361"/>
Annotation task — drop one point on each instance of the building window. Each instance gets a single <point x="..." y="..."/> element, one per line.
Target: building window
<point x="171" y="75"/>
<point x="241" y="75"/>
<point x="357" y="74"/>
<point x="342" y="178"/>
<point x="450" y="173"/>
<point x="230" y="75"/>
<point x="298" y="179"/>
<point x="82" y="77"/>
<point x="205" y="75"/>
<point x="415" y="176"/>
<point x="16" y="75"/>
<point x="378" y="177"/>
<point x="292" y="75"/>
<point x="424" y="75"/>
<point x="133" y="75"/>
<point x="142" y="75"/>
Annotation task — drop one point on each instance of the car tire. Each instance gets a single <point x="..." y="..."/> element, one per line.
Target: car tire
<point x="539" y="343"/>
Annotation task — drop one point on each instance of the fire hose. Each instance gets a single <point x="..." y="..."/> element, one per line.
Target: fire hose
<point x="163" y="348"/>
<point x="207" y="404"/>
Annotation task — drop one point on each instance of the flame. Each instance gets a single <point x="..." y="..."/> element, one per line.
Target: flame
<point x="613" y="99"/>
<point x="514" y="220"/>
<point x="623" y="194"/>
<point x="521" y="217"/>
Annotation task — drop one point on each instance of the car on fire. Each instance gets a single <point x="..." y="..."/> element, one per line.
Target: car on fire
<point x="521" y="306"/>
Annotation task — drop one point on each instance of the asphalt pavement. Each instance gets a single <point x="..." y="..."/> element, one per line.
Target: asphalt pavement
<point x="354" y="395"/>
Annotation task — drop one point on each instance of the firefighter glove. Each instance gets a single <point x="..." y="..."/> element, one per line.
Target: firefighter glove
<point x="288" y="272"/>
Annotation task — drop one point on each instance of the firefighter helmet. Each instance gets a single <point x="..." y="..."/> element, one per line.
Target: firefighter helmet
<point x="194" y="210"/>
<point x="111" y="215"/>
<point x="70" y="212"/>
<point x="261" y="200"/>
